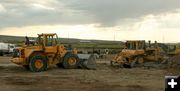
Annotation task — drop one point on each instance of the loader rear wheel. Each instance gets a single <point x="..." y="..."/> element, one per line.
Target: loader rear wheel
<point x="38" y="63"/>
<point x="70" y="61"/>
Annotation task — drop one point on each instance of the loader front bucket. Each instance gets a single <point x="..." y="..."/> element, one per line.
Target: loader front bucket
<point x="87" y="61"/>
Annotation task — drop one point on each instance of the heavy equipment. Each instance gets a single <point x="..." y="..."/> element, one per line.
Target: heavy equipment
<point x="137" y="52"/>
<point x="172" y="54"/>
<point x="49" y="51"/>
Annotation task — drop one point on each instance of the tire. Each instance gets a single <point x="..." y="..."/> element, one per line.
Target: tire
<point x="70" y="61"/>
<point x="38" y="63"/>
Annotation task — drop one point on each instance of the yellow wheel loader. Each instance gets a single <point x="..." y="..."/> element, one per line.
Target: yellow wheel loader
<point x="136" y="52"/>
<point x="38" y="56"/>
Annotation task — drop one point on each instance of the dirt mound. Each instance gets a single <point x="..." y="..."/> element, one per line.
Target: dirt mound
<point x="175" y="59"/>
<point x="174" y="62"/>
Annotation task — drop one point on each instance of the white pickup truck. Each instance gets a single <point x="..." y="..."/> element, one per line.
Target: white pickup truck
<point x="6" y="48"/>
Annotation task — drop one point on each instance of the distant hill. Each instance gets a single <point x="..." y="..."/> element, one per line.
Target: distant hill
<point x="20" y="39"/>
<point x="4" y="38"/>
<point x="75" y="42"/>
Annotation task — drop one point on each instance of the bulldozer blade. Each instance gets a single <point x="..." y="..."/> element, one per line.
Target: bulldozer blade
<point x="174" y="62"/>
<point x="87" y="61"/>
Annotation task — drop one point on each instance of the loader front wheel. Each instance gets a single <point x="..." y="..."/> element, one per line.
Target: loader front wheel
<point x="38" y="63"/>
<point x="70" y="61"/>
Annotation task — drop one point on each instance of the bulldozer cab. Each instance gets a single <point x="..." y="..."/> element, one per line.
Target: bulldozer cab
<point x="173" y="49"/>
<point x="135" y="45"/>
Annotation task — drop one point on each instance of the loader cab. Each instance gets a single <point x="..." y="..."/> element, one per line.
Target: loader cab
<point x="173" y="49"/>
<point x="48" y="43"/>
<point x="47" y="39"/>
<point x="135" y="45"/>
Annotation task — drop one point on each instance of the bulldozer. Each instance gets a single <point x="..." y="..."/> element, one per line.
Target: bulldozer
<point x="47" y="50"/>
<point x="137" y="52"/>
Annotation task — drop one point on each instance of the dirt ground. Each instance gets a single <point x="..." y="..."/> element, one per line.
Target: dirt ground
<point x="105" y="78"/>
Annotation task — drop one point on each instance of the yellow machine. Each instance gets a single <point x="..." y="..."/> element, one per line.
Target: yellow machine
<point x="173" y="54"/>
<point x="173" y="49"/>
<point x="137" y="52"/>
<point x="38" y="56"/>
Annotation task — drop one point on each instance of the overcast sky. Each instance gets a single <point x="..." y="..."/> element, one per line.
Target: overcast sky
<point x="93" y="19"/>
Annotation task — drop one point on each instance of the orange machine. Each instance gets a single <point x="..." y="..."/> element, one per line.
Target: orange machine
<point x="48" y="51"/>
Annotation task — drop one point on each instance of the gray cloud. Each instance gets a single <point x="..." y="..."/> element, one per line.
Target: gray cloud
<point x="109" y="12"/>
<point x="24" y="13"/>
<point x="105" y="12"/>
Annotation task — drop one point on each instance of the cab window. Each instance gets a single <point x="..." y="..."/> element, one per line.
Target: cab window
<point x="49" y="41"/>
<point x="41" y="40"/>
<point x="131" y="45"/>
